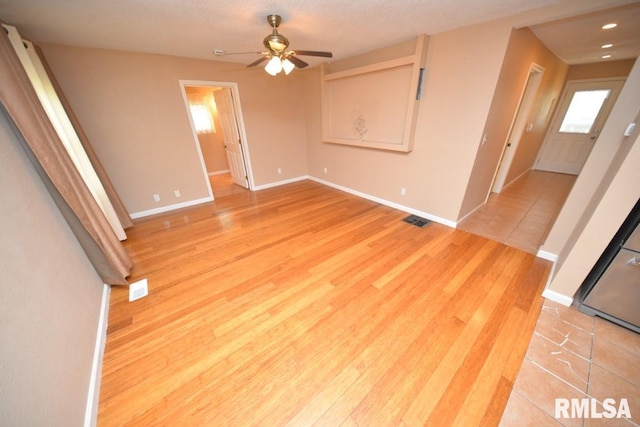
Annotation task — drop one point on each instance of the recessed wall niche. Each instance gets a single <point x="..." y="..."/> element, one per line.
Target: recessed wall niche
<point x="372" y="100"/>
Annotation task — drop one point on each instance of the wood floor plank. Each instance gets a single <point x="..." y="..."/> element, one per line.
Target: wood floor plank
<point x="478" y="397"/>
<point x="453" y="362"/>
<point x="304" y="305"/>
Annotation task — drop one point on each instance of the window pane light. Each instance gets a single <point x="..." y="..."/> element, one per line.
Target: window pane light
<point x="201" y="118"/>
<point x="274" y="66"/>
<point x="583" y="111"/>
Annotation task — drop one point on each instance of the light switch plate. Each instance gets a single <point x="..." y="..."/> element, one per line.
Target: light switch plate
<point x="629" y="130"/>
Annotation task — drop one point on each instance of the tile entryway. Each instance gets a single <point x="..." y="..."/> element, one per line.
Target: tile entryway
<point x="523" y="213"/>
<point x="575" y="356"/>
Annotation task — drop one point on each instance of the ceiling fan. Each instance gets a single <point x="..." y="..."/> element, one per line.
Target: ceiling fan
<point x="277" y="54"/>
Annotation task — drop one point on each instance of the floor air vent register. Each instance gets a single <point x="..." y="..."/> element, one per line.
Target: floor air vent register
<point x="416" y="220"/>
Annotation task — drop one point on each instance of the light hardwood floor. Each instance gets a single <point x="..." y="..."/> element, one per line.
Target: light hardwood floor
<point x="222" y="186"/>
<point x="304" y="305"/>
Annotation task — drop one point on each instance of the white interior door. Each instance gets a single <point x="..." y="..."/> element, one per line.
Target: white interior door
<point x="231" y="135"/>
<point x="574" y="130"/>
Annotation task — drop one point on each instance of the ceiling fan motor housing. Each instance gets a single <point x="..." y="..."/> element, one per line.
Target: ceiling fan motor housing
<point x="275" y="42"/>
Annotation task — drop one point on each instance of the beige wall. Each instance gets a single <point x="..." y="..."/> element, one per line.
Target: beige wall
<point x="50" y="298"/>
<point x="130" y="106"/>
<point x="603" y="152"/>
<point x="454" y="106"/>
<point x="132" y="110"/>
<point x="574" y="238"/>
<point x="524" y="50"/>
<point x="600" y="70"/>
<point x="211" y="143"/>
<point x="612" y="201"/>
<point x="542" y="111"/>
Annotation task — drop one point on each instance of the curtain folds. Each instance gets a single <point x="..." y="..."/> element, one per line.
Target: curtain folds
<point x="121" y="211"/>
<point x="88" y="222"/>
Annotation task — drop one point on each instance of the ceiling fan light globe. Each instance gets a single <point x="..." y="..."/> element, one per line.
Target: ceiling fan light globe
<point x="274" y="66"/>
<point x="287" y="66"/>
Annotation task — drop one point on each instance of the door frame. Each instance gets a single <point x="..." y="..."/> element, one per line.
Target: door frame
<point x="518" y="127"/>
<point x="241" y="127"/>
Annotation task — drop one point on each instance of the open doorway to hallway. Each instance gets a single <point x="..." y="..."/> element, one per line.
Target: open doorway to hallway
<point x="223" y="185"/>
<point x="523" y="213"/>
<point x="218" y="128"/>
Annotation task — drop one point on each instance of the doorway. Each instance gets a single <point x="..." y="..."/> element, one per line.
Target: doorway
<point x="574" y="130"/>
<point x="215" y="115"/>
<point x="518" y="127"/>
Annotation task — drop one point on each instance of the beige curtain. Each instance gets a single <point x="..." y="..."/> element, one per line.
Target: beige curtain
<point x="83" y="214"/>
<point x="118" y="206"/>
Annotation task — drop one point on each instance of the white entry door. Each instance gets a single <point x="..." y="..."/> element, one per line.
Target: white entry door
<point x="574" y="130"/>
<point x="232" y="142"/>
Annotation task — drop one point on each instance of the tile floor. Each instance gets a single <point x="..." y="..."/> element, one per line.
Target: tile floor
<point x="575" y="356"/>
<point x="522" y="214"/>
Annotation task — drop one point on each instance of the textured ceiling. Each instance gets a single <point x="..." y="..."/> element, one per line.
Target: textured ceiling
<point x="194" y="28"/>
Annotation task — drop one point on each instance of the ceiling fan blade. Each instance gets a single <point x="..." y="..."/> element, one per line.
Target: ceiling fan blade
<point x="297" y="61"/>
<point x="259" y="61"/>
<point x="219" y="52"/>
<point x="313" y="53"/>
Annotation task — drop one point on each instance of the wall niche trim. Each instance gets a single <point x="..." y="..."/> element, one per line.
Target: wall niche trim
<point x="372" y="100"/>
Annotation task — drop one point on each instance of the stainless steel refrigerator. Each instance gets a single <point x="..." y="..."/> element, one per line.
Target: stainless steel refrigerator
<point x="612" y="289"/>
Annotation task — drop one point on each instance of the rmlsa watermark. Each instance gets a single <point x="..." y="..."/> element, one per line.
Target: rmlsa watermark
<point x="588" y="408"/>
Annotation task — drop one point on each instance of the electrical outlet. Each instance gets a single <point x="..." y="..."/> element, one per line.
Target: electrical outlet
<point x="403" y="191"/>
<point x="156" y="197"/>
<point x="326" y="171"/>
<point x="177" y="193"/>
<point x="279" y="171"/>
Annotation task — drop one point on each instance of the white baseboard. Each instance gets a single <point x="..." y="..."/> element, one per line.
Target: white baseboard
<point x="400" y="207"/>
<point x="557" y="297"/>
<point x="549" y="293"/>
<point x="279" y="183"/>
<point x="169" y="208"/>
<point x="91" y="412"/>
<point x="219" y="172"/>
<point x="549" y="256"/>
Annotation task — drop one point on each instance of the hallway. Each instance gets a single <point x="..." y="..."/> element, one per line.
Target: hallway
<point x="523" y="213"/>
<point x="222" y="185"/>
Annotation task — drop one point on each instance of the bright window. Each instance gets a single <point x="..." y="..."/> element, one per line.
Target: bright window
<point x="583" y="111"/>
<point x="202" y="118"/>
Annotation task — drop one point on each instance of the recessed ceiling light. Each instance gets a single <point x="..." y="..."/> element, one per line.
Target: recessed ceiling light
<point x="609" y="26"/>
<point x="607" y="46"/>
<point x="606" y="56"/>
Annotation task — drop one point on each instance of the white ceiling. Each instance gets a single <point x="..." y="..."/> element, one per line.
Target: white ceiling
<point x="194" y="28"/>
<point x="579" y="39"/>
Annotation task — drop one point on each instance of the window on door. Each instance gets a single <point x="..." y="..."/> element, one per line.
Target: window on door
<point x="583" y="111"/>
